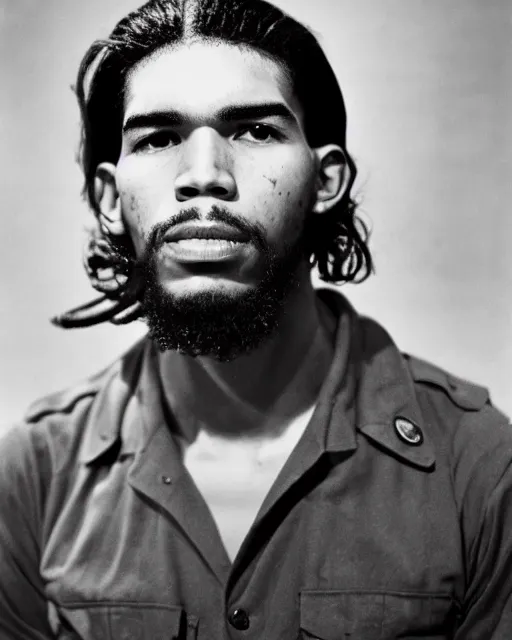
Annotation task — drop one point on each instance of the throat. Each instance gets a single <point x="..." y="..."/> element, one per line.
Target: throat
<point x="234" y="476"/>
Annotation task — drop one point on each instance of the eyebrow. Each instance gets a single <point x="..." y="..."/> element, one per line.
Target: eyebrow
<point x="233" y="113"/>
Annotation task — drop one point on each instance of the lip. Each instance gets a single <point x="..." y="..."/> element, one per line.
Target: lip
<point x="196" y="250"/>
<point x="202" y="231"/>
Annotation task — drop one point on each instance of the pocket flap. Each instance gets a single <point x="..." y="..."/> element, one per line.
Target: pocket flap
<point x="332" y="615"/>
<point x="146" y="623"/>
<point x="336" y="615"/>
<point x="123" y="622"/>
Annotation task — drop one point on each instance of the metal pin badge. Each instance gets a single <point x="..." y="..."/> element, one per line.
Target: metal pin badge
<point x="408" y="432"/>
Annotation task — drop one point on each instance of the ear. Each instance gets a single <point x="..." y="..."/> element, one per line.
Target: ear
<point x="107" y="199"/>
<point x="333" y="177"/>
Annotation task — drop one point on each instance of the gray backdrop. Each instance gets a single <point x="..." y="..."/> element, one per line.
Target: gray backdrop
<point x="428" y="92"/>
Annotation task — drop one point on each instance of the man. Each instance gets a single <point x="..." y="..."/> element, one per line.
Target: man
<point x="266" y="463"/>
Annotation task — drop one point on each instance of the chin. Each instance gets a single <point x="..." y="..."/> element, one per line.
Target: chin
<point x="214" y="314"/>
<point x="221" y="321"/>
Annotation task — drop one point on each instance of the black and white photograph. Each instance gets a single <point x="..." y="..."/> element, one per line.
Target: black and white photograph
<point x="256" y="348"/>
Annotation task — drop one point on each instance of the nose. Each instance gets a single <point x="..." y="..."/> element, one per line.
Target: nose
<point x="205" y="168"/>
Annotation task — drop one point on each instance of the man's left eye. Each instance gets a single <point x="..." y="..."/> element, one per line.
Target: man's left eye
<point x="258" y="133"/>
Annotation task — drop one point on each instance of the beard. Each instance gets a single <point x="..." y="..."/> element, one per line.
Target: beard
<point x="219" y="324"/>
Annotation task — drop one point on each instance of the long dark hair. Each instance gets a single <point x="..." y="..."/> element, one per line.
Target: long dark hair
<point x="336" y="242"/>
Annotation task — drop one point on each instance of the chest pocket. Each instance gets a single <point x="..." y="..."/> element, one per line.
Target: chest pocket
<point x="112" y="621"/>
<point x="347" y="615"/>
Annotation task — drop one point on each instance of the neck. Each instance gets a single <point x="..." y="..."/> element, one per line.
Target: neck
<point x="260" y="393"/>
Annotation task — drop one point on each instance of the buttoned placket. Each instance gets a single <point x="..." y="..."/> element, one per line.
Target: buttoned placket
<point x="160" y="475"/>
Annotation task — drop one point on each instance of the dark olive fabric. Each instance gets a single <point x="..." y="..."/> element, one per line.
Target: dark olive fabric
<point x="392" y="517"/>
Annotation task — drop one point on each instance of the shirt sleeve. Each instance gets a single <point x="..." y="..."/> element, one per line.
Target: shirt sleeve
<point x="23" y="606"/>
<point x="483" y="483"/>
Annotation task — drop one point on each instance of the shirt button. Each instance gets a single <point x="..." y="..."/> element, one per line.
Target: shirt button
<point x="239" y="619"/>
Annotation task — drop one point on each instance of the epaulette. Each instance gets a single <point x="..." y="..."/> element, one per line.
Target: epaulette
<point x="63" y="401"/>
<point x="464" y="394"/>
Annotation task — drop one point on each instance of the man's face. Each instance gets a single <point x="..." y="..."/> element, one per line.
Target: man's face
<point x="215" y="176"/>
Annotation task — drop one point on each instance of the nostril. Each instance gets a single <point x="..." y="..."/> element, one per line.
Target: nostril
<point x="194" y="190"/>
<point x="219" y="191"/>
<point x="188" y="192"/>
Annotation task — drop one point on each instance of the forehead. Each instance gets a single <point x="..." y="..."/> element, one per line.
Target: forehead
<point x="204" y="77"/>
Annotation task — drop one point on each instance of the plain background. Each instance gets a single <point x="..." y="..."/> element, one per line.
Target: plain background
<point x="428" y="89"/>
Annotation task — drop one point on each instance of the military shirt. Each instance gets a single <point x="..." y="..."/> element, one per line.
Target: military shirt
<point x="391" y="518"/>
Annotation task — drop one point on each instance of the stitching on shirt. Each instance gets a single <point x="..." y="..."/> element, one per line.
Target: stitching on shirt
<point x="77" y="604"/>
<point x="407" y="594"/>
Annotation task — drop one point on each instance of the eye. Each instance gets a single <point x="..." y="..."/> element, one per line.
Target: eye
<point x="259" y="133"/>
<point x="158" y="140"/>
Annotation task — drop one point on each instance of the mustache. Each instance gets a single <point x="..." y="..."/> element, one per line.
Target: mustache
<point x="254" y="230"/>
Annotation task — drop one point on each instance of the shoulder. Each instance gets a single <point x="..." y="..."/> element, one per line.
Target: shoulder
<point x="435" y="387"/>
<point x="464" y="394"/>
<point x="48" y="443"/>
<point x="446" y="400"/>
<point x="54" y="425"/>
<point x="469" y="432"/>
<point x="66" y="400"/>
<point x="463" y="409"/>
<point x="471" y="437"/>
<point x="455" y="401"/>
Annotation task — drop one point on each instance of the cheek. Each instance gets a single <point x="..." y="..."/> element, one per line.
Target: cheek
<point x="287" y="192"/>
<point x="133" y="207"/>
<point x="136" y="207"/>
<point x="138" y="189"/>
<point x="138" y="200"/>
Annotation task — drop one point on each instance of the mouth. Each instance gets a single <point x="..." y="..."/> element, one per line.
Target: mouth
<point x="205" y="242"/>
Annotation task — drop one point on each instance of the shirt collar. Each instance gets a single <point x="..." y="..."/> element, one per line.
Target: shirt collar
<point x="372" y="390"/>
<point x="127" y="409"/>
<point x="367" y="389"/>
